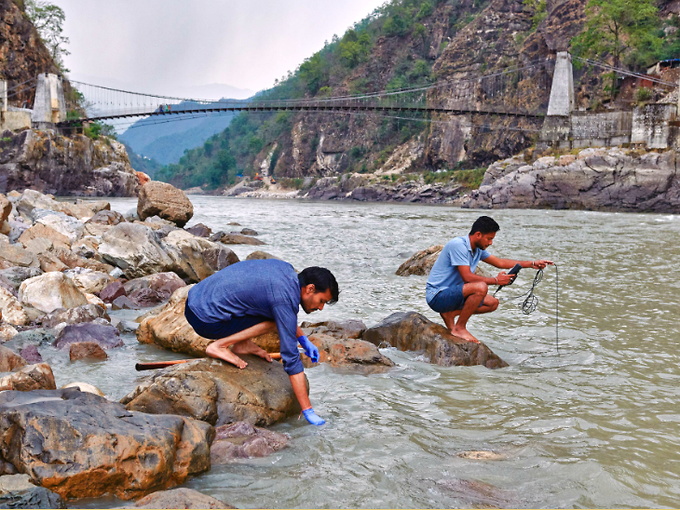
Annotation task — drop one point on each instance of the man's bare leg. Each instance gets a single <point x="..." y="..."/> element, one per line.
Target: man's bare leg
<point x="474" y="294"/>
<point x="220" y="348"/>
<point x="250" y="347"/>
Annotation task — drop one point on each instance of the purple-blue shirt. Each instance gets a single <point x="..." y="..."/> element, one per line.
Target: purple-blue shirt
<point x="264" y="288"/>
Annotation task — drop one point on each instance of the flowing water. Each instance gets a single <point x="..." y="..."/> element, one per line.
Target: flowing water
<point x="594" y="424"/>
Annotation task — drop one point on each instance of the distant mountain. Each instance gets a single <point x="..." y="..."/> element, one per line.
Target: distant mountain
<point x="164" y="139"/>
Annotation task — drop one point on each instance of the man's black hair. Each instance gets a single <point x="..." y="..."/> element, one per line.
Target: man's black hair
<point x="322" y="279"/>
<point x="485" y="225"/>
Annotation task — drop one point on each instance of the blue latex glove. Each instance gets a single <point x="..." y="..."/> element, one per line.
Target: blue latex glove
<point x="311" y="350"/>
<point x="312" y="417"/>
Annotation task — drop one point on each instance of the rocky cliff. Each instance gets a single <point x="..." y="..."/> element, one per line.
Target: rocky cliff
<point x="23" y="55"/>
<point x="594" y="179"/>
<point x="59" y="165"/>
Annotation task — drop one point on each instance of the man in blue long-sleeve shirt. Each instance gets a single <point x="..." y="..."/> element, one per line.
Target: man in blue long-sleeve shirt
<point x="254" y="297"/>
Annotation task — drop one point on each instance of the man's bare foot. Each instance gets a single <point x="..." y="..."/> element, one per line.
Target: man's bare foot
<point x="250" y="347"/>
<point x="226" y="355"/>
<point x="464" y="334"/>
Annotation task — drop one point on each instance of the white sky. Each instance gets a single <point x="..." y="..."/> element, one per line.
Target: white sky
<point x="184" y="47"/>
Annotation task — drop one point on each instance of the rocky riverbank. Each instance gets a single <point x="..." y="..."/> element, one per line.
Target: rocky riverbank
<point x="614" y="179"/>
<point x="598" y="179"/>
<point x="64" y="268"/>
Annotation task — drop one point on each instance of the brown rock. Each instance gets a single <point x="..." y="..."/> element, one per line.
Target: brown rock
<point x="164" y="200"/>
<point x="9" y="360"/>
<point x="421" y="262"/>
<point x="85" y="350"/>
<point x="80" y="445"/>
<point x="217" y="392"/>
<point x="28" y="378"/>
<point x="180" y="498"/>
<point x="411" y="331"/>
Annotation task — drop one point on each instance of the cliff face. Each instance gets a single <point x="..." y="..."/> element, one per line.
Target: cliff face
<point x="77" y="165"/>
<point x="487" y="36"/>
<point x="22" y="54"/>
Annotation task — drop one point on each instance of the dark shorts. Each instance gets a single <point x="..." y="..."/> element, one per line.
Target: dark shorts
<point x="217" y="330"/>
<point x="448" y="300"/>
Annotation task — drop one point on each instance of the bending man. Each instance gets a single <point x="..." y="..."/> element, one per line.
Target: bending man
<point x="455" y="291"/>
<point x="254" y="297"/>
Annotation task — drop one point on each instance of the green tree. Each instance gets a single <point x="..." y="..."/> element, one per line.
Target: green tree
<point x="625" y="31"/>
<point x="48" y="20"/>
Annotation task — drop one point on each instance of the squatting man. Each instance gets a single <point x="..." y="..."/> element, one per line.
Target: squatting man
<point x="455" y="291"/>
<point x="254" y="297"/>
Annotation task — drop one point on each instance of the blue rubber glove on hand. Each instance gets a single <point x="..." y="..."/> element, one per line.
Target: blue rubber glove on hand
<point x="311" y="350"/>
<point x="312" y="417"/>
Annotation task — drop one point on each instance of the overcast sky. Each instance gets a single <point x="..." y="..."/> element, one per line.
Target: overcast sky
<point x="181" y="47"/>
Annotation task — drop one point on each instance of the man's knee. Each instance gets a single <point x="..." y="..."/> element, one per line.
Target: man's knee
<point x="479" y="288"/>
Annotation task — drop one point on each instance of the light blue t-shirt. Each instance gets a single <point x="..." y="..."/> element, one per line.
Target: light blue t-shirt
<point x="444" y="273"/>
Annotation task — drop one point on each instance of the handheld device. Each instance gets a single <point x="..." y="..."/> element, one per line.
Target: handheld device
<point x="515" y="269"/>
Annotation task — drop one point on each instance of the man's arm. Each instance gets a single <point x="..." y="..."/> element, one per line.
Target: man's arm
<point x="509" y="263"/>
<point x="504" y="279"/>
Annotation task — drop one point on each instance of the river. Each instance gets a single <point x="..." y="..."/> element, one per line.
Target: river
<point x="585" y="416"/>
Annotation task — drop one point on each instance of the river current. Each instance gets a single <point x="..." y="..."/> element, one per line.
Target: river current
<point x="585" y="416"/>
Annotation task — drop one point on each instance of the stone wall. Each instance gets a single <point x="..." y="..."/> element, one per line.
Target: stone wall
<point x="649" y="126"/>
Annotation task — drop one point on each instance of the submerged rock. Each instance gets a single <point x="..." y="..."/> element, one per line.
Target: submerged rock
<point x="241" y="440"/>
<point x="180" y="498"/>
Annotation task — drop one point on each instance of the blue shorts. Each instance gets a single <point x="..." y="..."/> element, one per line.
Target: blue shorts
<point x="217" y="330"/>
<point x="448" y="300"/>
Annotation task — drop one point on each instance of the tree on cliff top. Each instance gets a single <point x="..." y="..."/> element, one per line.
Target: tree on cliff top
<point x="48" y="20"/>
<point x="625" y="31"/>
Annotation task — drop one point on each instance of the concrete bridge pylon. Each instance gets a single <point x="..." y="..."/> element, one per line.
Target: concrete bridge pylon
<point x="49" y="106"/>
<point x="562" y="90"/>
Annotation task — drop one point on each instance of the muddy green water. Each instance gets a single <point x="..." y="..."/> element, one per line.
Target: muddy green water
<point x="596" y="425"/>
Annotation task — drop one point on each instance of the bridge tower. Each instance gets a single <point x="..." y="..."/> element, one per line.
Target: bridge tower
<point x="49" y="106"/>
<point x="556" y="129"/>
<point x="562" y="90"/>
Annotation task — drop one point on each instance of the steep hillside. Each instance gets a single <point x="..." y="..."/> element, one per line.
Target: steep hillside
<point x="406" y="43"/>
<point x="22" y="54"/>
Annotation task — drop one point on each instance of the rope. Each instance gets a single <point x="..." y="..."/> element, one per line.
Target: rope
<point x="530" y="303"/>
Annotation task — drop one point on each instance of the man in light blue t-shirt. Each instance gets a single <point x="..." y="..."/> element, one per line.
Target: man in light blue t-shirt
<point x="454" y="290"/>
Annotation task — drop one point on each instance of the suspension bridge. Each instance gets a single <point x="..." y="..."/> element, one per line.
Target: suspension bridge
<point x="533" y="92"/>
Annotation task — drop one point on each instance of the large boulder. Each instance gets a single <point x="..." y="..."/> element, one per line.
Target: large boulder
<point x="196" y="258"/>
<point x="150" y="290"/>
<point x="219" y="393"/>
<point x="81" y="445"/>
<point x="89" y="281"/>
<point x="50" y="291"/>
<point x="420" y="263"/>
<point x="162" y="199"/>
<point x="169" y="329"/>
<point x="135" y="249"/>
<point x="411" y="331"/>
